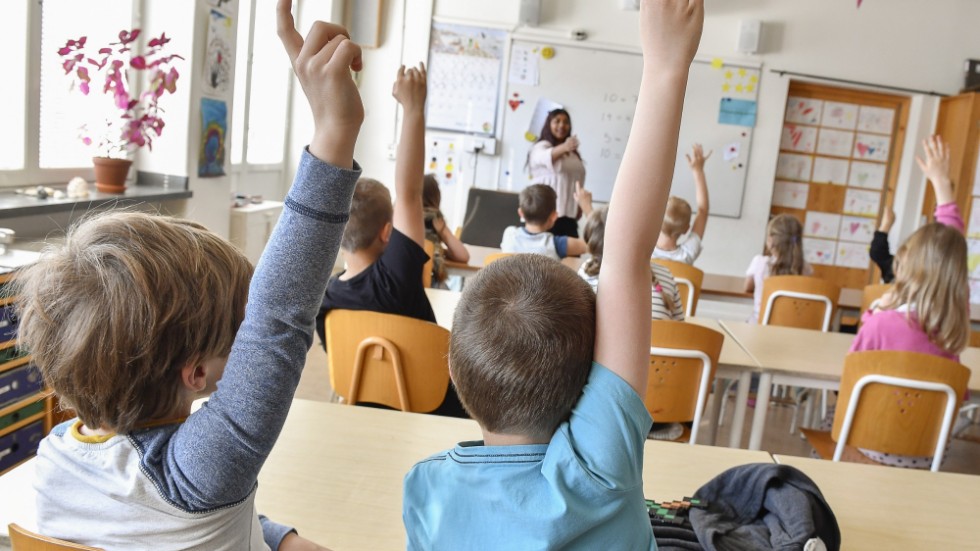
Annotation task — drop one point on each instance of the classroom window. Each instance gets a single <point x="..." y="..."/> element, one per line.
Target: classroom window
<point x="262" y="81"/>
<point x="64" y="111"/>
<point x="13" y="41"/>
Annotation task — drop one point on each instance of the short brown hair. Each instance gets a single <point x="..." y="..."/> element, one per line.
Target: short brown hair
<point x="521" y="346"/>
<point x="370" y="210"/>
<point x="538" y="202"/>
<point x="677" y="217"/>
<point x="112" y="316"/>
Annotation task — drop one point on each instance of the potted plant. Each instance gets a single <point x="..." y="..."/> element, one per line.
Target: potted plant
<point x="139" y="117"/>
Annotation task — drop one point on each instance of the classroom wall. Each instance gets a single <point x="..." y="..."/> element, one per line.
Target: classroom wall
<point x="906" y="43"/>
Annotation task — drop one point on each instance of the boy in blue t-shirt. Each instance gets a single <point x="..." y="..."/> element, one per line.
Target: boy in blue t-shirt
<point x="555" y="374"/>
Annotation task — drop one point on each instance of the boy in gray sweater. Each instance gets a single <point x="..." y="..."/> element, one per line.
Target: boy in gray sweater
<point x="136" y="316"/>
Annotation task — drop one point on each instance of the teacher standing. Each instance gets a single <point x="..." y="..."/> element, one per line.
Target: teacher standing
<point x="554" y="161"/>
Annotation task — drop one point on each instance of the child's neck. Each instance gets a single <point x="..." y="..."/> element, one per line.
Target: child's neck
<point x="535" y="228"/>
<point x="503" y="439"/>
<point x="356" y="262"/>
<point x="666" y="242"/>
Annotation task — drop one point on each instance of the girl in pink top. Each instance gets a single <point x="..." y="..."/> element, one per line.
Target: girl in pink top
<point x="927" y="311"/>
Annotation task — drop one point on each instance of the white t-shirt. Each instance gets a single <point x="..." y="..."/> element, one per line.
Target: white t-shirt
<point x="687" y="251"/>
<point x="519" y="240"/>
<point x="759" y="270"/>
<point x="658" y="306"/>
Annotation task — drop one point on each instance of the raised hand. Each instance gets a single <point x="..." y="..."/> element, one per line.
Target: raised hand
<point x="322" y="63"/>
<point x="670" y="31"/>
<point x="936" y="168"/>
<point x="410" y="88"/>
<point x="697" y="157"/>
<point x="887" y="220"/>
<point x="584" y="198"/>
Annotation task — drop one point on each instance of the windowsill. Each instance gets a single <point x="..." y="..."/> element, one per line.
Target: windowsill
<point x="14" y="205"/>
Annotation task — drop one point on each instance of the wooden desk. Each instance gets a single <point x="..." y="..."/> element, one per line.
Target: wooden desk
<point x="443" y="303"/>
<point x="336" y="472"/>
<point x="802" y="357"/>
<point x="478" y="255"/>
<point x="890" y="508"/>
<point x="734" y="286"/>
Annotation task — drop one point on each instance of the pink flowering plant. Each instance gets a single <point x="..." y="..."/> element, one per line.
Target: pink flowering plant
<point x="139" y="119"/>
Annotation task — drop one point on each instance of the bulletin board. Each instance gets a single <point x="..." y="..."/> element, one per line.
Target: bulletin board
<point x="836" y="172"/>
<point x="599" y="89"/>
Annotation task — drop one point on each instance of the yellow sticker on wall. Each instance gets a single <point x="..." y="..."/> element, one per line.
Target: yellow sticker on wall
<point x="547" y="52"/>
<point x="530" y="136"/>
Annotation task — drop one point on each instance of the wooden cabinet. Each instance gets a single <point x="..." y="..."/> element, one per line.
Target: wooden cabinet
<point x="25" y="405"/>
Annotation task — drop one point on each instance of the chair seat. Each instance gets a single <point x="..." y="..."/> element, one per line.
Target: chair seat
<point x="824" y="445"/>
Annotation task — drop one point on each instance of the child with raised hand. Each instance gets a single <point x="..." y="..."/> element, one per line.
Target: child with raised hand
<point x="936" y="169"/>
<point x="928" y="309"/>
<point x="677" y="218"/>
<point x="554" y="373"/>
<point x="137" y="469"/>
<point x="784" y="256"/>
<point x="438" y="232"/>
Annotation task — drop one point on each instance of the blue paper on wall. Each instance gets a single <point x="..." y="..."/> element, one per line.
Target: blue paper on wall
<point x="740" y="112"/>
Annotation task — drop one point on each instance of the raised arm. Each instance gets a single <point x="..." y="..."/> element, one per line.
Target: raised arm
<point x="410" y="90"/>
<point x="696" y="161"/>
<point x="669" y="31"/>
<point x="936" y="168"/>
<point x="455" y="250"/>
<point x="217" y="453"/>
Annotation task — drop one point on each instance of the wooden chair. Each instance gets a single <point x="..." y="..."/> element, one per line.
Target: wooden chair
<point x="900" y="403"/>
<point x="799" y="301"/>
<point x="493" y="257"/>
<point x="25" y="540"/>
<point x="430" y="249"/>
<point x="683" y="359"/>
<point x="689" y="280"/>
<point x="386" y="359"/>
<point x="975" y="339"/>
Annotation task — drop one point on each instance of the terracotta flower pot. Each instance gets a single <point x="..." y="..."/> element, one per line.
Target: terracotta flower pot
<point x="110" y="174"/>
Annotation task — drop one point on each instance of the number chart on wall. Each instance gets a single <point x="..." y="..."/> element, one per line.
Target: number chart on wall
<point x="834" y="173"/>
<point x="599" y="90"/>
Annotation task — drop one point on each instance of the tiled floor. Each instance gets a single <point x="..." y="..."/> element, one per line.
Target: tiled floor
<point x="963" y="457"/>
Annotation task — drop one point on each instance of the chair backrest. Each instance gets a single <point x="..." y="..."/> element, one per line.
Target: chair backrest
<point x="683" y="359"/>
<point x="430" y="249"/>
<point x="386" y="359"/>
<point x="872" y="293"/>
<point x="493" y="257"/>
<point x="25" y="540"/>
<point x="799" y="301"/>
<point x="975" y="339"/>
<point x="900" y="403"/>
<point x="488" y="214"/>
<point x="689" y="280"/>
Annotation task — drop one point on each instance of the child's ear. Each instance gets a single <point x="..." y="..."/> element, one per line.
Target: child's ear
<point x="520" y="213"/>
<point x="552" y="219"/>
<point x="193" y="375"/>
<point x="385" y="234"/>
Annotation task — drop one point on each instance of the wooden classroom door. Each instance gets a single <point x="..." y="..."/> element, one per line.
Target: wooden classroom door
<point x="836" y="172"/>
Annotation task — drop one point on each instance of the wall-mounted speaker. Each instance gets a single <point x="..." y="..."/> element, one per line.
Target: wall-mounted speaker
<point x="530" y="13"/>
<point x="749" y="36"/>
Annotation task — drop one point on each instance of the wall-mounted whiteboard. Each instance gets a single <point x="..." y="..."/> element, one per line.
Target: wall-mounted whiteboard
<point x="599" y="89"/>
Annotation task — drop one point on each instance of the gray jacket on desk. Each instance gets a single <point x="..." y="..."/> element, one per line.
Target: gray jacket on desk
<point x="763" y="506"/>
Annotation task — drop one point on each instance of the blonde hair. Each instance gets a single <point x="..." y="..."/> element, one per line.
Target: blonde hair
<point x="785" y="236"/>
<point x="112" y="316"/>
<point x="594" y="235"/>
<point x="931" y="278"/>
<point x="677" y="217"/>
